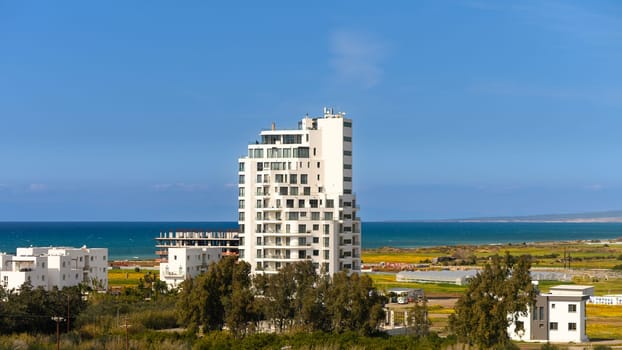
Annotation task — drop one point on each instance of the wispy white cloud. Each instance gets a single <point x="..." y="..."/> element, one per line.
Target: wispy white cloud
<point x="592" y="26"/>
<point x="180" y="186"/>
<point x="582" y="21"/>
<point x="595" y="187"/>
<point x="606" y="95"/>
<point x="37" y="187"/>
<point x="357" y="57"/>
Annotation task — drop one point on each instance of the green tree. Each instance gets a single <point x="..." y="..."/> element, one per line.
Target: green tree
<point x="418" y="318"/>
<point x="221" y="294"/>
<point x="499" y="293"/>
<point x="239" y="302"/>
<point x="353" y="304"/>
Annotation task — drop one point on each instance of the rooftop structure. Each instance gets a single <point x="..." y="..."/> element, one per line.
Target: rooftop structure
<point x="227" y="240"/>
<point x="49" y="267"/>
<point x="295" y="197"/>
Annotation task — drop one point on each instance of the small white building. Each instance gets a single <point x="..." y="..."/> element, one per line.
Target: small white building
<point x="610" y="299"/>
<point x="458" y="277"/>
<point x="49" y="267"/>
<point x="187" y="262"/>
<point x="557" y="316"/>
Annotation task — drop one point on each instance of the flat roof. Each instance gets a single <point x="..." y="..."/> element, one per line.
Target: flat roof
<point x="573" y="287"/>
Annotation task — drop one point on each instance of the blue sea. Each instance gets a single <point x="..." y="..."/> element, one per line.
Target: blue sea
<point x="136" y="240"/>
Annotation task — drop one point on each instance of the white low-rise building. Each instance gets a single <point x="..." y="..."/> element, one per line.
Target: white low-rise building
<point x="611" y="299"/>
<point x="187" y="262"/>
<point x="557" y="317"/>
<point x="60" y="267"/>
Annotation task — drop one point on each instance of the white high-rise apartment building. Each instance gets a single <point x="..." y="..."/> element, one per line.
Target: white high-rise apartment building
<point x="295" y="197"/>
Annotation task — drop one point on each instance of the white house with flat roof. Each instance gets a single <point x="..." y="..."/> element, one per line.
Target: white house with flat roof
<point x="60" y="267"/>
<point x="187" y="262"/>
<point x="558" y="316"/>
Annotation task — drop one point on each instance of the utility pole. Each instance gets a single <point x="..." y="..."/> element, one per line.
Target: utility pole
<point x="58" y="319"/>
<point x="127" y="339"/>
<point x="68" y="318"/>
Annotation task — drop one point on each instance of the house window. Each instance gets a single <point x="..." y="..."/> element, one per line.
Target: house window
<point x="572" y="326"/>
<point x="552" y="306"/>
<point x="553" y="326"/>
<point x="541" y="313"/>
<point x="572" y="307"/>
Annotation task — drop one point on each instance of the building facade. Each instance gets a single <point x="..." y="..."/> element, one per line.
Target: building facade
<point x="187" y="262"/>
<point x="295" y="197"/>
<point x="49" y="267"/>
<point x="558" y="316"/>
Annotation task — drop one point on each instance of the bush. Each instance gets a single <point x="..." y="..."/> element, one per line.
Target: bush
<point x="549" y="346"/>
<point x="156" y="319"/>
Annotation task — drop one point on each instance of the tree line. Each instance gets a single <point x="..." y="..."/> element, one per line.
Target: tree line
<point x="295" y="298"/>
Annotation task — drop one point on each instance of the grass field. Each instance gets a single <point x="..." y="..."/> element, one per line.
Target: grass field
<point x="126" y="277"/>
<point x="582" y="254"/>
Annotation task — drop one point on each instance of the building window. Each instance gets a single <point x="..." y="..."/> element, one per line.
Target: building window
<point x="347" y="153"/>
<point x="241" y="204"/>
<point x="241" y="167"/>
<point x="572" y="307"/>
<point x="572" y="326"/>
<point x="283" y="191"/>
<point x="347" y="179"/>
<point x="293" y="191"/>
<point x="315" y="215"/>
<point x="241" y="216"/>
<point x="293" y="179"/>
<point x="307" y="191"/>
<point x="302" y="228"/>
<point x="241" y="192"/>
<point x="553" y="326"/>
<point x="347" y="139"/>
<point x="552" y="306"/>
<point x="347" y="166"/>
<point x="304" y="179"/>
<point x="316" y="252"/>
<point x="242" y="179"/>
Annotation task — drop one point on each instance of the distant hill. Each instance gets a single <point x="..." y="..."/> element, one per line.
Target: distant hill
<point x="604" y="216"/>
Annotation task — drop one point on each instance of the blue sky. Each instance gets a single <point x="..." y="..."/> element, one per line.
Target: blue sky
<point x="139" y="110"/>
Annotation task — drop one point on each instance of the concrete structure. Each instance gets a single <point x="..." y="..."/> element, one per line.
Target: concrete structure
<point x="187" y="262"/>
<point x="557" y="316"/>
<point x="295" y="197"/>
<point x="406" y="295"/>
<point x="611" y="299"/>
<point x="227" y="240"/>
<point x="55" y="267"/>
<point x="459" y="277"/>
